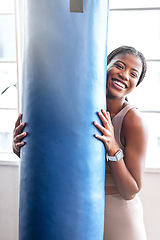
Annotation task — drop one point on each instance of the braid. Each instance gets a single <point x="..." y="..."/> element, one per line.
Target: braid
<point x="130" y="50"/>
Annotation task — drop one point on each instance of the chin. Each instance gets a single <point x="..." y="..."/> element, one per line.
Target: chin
<point x="114" y="95"/>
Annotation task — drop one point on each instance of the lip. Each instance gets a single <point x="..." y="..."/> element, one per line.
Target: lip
<point x="119" y="83"/>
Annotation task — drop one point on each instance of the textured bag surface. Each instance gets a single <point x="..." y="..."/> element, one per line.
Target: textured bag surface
<point x="64" y="78"/>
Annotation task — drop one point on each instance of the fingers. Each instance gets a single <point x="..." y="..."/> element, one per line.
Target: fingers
<point x="100" y="127"/>
<point x="16" y="148"/>
<point x="19" y="128"/>
<point x="102" y="138"/>
<point x="105" y="129"/>
<point x="105" y="135"/>
<point x="17" y="123"/>
<point x="18" y="135"/>
<point x="17" y="143"/>
<point x="105" y="117"/>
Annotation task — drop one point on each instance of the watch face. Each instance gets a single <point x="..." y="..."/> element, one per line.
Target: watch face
<point x="117" y="157"/>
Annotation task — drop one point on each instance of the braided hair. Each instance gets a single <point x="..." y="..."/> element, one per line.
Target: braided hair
<point x="133" y="51"/>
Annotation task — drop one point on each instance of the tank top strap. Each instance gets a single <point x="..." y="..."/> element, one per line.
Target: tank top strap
<point x="117" y="121"/>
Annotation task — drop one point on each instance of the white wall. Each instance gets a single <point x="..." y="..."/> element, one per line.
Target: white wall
<point x="150" y="196"/>
<point x="9" y="191"/>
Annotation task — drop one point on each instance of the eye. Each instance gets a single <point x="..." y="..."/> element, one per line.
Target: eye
<point x="119" y="65"/>
<point x="134" y="75"/>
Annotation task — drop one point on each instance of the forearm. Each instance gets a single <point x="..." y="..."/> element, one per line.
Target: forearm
<point x="125" y="182"/>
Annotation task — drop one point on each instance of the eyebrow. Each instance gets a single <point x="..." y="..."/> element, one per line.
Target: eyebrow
<point x="125" y="65"/>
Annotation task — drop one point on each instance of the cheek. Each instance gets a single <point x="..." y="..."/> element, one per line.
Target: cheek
<point x="134" y="83"/>
<point x="109" y="73"/>
<point x="132" y="86"/>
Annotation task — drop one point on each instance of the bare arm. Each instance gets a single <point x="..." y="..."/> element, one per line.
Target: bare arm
<point x="128" y="172"/>
<point x="18" y="135"/>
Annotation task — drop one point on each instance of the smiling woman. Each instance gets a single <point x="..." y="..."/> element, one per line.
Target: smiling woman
<point x="124" y="135"/>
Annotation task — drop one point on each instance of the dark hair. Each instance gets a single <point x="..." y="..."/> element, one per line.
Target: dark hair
<point x="133" y="51"/>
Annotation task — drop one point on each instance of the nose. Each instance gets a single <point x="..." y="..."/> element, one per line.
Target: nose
<point x="124" y="75"/>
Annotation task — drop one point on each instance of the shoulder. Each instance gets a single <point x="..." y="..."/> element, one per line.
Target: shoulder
<point x="134" y="118"/>
<point x="135" y="123"/>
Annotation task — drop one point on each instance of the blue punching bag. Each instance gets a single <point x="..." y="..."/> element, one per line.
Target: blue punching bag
<point x="64" y="82"/>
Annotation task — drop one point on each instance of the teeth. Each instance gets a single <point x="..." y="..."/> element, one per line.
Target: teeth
<point x="119" y="84"/>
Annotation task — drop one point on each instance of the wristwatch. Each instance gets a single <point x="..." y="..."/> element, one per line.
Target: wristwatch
<point x="117" y="157"/>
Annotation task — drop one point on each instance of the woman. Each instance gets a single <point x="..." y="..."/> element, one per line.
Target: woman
<point x="124" y="136"/>
<point x="125" y="139"/>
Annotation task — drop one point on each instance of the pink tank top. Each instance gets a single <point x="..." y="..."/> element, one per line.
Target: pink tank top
<point x="117" y="121"/>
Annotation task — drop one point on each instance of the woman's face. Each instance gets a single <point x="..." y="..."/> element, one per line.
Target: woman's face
<point x="123" y="73"/>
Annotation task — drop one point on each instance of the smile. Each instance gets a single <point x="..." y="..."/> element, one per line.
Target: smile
<point x="120" y="84"/>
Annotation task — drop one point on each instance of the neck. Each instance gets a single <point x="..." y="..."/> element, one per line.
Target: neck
<point x="114" y="106"/>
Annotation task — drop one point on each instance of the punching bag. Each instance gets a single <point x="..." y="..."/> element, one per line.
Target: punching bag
<point x="64" y="82"/>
